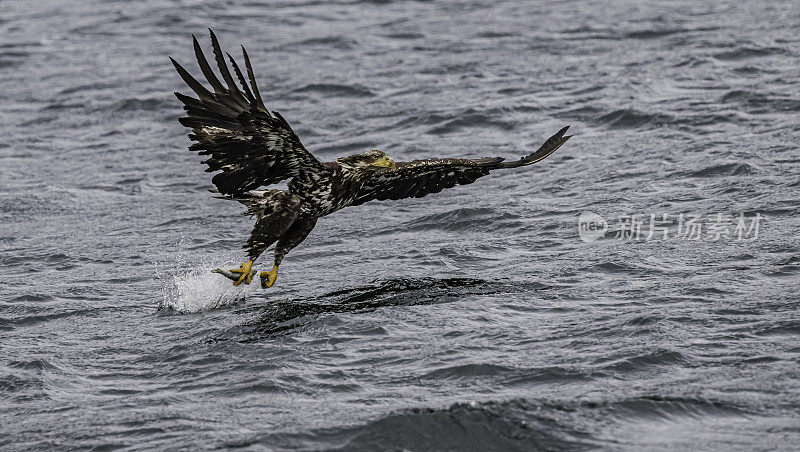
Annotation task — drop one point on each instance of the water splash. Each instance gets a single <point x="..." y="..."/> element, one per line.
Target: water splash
<point x="199" y="290"/>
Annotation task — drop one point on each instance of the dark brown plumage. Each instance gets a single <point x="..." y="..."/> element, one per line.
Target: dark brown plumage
<point x="250" y="147"/>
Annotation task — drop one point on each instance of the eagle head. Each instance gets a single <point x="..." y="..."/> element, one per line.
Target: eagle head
<point x="374" y="158"/>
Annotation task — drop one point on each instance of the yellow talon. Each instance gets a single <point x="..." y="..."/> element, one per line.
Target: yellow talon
<point x="244" y="271"/>
<point x="268" y="278"/>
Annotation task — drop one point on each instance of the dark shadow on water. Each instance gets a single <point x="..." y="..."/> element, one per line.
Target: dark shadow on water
<point x="283" y="316"/>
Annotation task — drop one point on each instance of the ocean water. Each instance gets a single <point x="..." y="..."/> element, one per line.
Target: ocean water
<point x="472" y="319"/>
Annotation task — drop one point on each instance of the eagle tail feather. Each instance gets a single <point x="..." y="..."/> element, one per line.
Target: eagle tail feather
<point x="551" y="145"/>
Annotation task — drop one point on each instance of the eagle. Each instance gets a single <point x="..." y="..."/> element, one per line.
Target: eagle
<point x="250" y="147"/>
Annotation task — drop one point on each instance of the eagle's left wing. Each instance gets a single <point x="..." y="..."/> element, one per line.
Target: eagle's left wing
<point x="250" y="146"/>
<point x="421" y="177"/>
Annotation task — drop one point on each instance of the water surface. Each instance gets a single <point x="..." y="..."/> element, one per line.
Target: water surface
<point x="470" y="319"/>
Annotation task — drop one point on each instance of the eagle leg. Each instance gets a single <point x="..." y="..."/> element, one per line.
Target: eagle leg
<point x="295" y="234"/>
<point x="275" y="211"/>
<point x="245" y="272"/>
<point x="268" y="278"/>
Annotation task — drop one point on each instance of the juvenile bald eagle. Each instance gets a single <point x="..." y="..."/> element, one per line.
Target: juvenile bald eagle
<point x="253" y="147"/>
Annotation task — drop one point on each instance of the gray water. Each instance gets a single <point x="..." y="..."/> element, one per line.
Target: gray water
<point x="475" y="318"/>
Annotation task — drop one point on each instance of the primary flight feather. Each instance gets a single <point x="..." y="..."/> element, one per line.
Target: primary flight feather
<point x="250" y="147"/>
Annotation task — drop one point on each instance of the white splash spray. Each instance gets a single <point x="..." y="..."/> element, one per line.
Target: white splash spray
<point x="199" y="290"/>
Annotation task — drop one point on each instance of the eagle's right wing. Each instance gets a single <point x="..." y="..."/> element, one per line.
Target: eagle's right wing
<point x="421" y="177"/>
<point x="249" y="145"/>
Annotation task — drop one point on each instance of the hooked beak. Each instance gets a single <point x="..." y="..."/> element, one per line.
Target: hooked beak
<point x="386" y="162"/>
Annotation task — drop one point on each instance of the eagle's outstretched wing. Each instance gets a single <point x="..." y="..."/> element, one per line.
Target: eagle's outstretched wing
<point x="421" y="177"/>
<point x="248" y="144"/>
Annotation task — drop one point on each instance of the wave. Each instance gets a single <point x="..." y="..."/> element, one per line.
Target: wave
<point x="747" y="52"/>
<point x="644" y="361"/>
<point x="279" y="317"/>
<point x="336" y="42"/>
<point x="470" y="121"/>
<point x="725" y="169"/>
<point x="334" y="89"/>
<point x="757" y="103"/>
<point x="632" y="119"/>
<point x="136" y="104"/>
<point x="462" y="219"/>
<point x="515" y="425"/>
<point x="404" y="35"/>
<point x="200" y="290"/>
